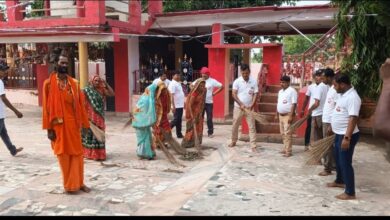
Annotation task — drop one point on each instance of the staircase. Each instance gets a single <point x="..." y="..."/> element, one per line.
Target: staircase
<point x="270" y="132"/>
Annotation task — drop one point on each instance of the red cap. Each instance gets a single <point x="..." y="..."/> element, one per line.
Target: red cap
<point x="205" y="70"/>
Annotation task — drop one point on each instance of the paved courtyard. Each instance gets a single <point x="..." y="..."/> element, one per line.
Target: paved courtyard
<point x="226" y="182"/>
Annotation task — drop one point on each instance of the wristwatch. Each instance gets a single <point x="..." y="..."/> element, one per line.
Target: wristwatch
<point x="346" y="138"/>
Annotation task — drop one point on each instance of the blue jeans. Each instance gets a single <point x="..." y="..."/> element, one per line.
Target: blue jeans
<point x="177" y="120"/>
<point x="5" y="137"/>
<point x="344" y="169"/>
<point x="208" y="108"/>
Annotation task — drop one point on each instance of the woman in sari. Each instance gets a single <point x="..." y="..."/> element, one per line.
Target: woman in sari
<point x="194" y="115"/>
<point x="163" y="107"/>
<point x="144" y="117"/>
<point x="162" y="130"/>
<point x="95" y="93"/>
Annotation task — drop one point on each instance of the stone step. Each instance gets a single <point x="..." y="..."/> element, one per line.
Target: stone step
<point x="272" y="128"/>
<point x="269" y="98"/>
<point x="273" y="88"/>
<point x="267" y="107"/>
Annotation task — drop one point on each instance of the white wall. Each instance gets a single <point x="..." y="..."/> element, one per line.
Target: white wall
<point x="133" y="60"/>
<point x="92" y="69"/>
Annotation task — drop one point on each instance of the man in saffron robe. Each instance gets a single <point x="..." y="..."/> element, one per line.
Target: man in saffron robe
<point x="63" y="117"/>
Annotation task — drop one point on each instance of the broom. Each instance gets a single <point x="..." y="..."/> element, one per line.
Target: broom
<point x="318" y="149"/>
<point x="97" y="132"/>
<point x="128" y="123"/>
<point x="170" y="157"/>
<point x="297" y="124"/>
<point x="173" y="143"/>
<point x="257" y="116"/>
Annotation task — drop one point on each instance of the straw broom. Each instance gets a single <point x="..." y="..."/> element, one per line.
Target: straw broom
<point x="97" y="132"/>
<point x="170" y="157"/>
<point x="297" y="124"/>
<point x="128" y="123"/>
<point x="257" y="116"/>
<point x="173" y="143"/>
<point x="318" y="149"/>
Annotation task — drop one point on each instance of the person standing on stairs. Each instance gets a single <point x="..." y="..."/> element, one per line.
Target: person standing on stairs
<point x="287" y="103"/>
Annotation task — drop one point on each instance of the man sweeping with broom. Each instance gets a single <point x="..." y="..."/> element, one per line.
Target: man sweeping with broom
<point x="244" y="93"/>
<point x="344" y="125"/>
<point x="287" y="102"/>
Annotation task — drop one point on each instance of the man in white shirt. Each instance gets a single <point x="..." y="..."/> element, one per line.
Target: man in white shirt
<point x="177" y="96"/>
<point x="319" y="96"/>
<point x="344" y="125"/>
<point x="244" y="93"/>
<point x="287" y="102"/>
<point x="330" y="103"/>
<point x="4" y="101"/>
<point x="309" y="100"/>
<point x="162" y="78"/>
<point x="211" y="84"/>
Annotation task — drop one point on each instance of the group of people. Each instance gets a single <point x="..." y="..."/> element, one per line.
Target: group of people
<point x="164" y="96"/>
<point x="69" y="113"/>
<point x="334" y="107"/>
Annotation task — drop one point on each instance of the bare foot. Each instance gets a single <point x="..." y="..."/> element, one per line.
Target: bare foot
<point x="232" y="144"/>
<point x="344" y="196"/>
<point x="333" y="184"/>
<point x="85" y="188"/>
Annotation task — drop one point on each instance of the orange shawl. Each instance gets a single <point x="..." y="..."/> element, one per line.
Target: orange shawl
<point x="53" y="100"/>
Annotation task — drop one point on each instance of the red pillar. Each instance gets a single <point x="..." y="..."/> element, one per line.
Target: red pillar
<point x="273" y="57"/>
<point x="95" y="9"/>
<point x="135" y="13"/>
<point x="46" y="5"/>
<point x="301" y="97"/>
<point x="121" y="75"/>
<point x="217" y="66"/>
<point x="42" y="75"/>
<point x="13" y="13"/>
<point x="80" y="11"/>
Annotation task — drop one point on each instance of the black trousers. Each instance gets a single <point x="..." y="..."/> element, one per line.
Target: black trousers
<point x="308" y="131"/>
<point x="208" y="108"/>
<point x="177" y="120"/>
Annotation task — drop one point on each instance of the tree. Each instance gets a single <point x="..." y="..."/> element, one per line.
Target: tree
<point x="370" y="36"/>
<point x="298" y="44"/>
<point x="191" y="5"/>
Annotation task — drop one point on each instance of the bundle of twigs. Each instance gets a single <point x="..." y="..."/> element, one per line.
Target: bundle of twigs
<point x="173" y="143"/>
<point x="318" y="149"/>
<point x="97" y="132"/>
<point x="297" y="124"/>
<point x="257" y="116"/>
<point x="128" y="123"/>
<point x="170" y="157"/>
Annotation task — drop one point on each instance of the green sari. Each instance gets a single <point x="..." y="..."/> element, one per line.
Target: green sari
<point x="93" y="148"/>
